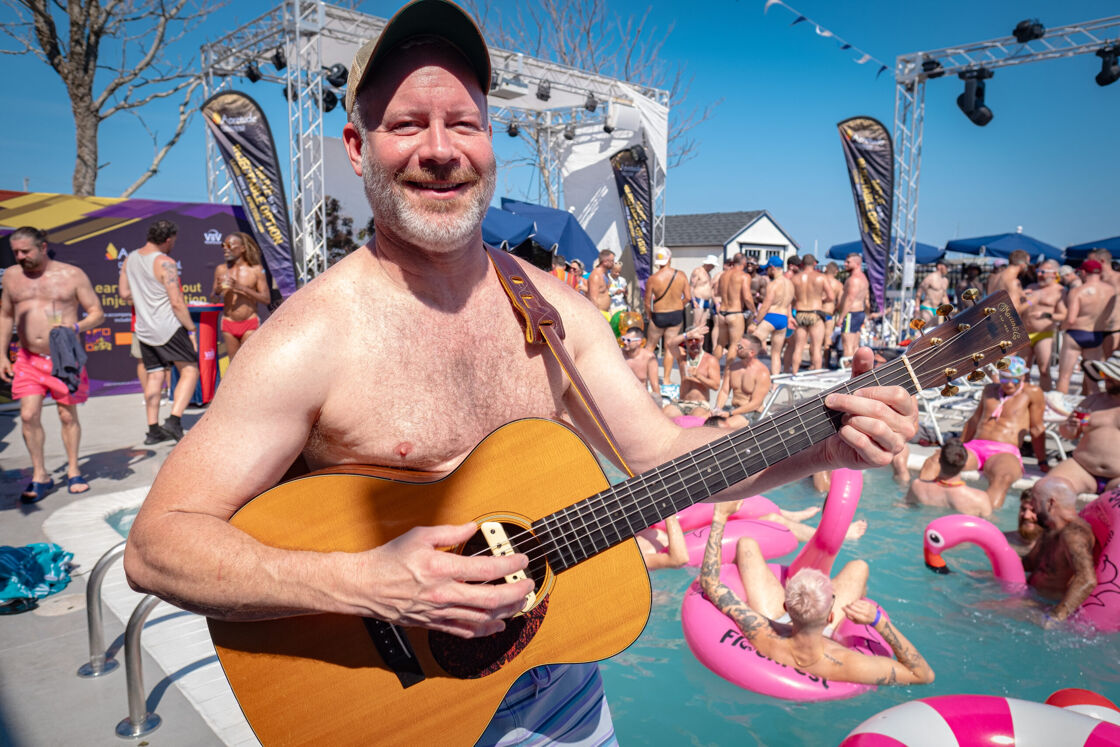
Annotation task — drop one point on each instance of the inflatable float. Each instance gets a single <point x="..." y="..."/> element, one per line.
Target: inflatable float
<point x="718" y="644"/>
<point x="966" y="720"/>
<point x="1100" y="611"/>
<point x="700" y="515"/>
<point x="774" y="540"/>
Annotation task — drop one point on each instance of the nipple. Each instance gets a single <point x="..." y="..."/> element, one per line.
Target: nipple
<point x="404" y="448"/>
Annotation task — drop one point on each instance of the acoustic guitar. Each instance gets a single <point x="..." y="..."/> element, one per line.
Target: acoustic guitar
<point x="533" y="486"/>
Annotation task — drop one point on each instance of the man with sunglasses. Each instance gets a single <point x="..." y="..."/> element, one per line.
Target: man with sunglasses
<point x="641" y="361"/>
<point x="1045" y="308"/>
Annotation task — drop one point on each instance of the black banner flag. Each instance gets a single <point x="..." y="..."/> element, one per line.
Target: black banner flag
<point x="631" y="174"/>
<point x="870" y="156"/>
<point x="245" y="139"/>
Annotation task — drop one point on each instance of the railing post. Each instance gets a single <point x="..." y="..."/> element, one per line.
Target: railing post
<point x="98" y="664"/>
<point x="139" y="722"/>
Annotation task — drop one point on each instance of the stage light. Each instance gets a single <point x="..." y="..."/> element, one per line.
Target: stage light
<point x="1028" y="30"/>
<point x="570" y="131"/>
<point x="608" y="128"/>
<point x="330" y="101"/>
<point x="279" y="61"/>
<point x="544" y="90"/>
<point x="495" y="79"/>
<point x="932" y="68"/>
<point x="288" y="92"/>
<point x="252" y="72"/>
<point x="971" y="102"/>
<point x="336" y="75"/>
<point x="1110" y="68"/>
<point x="512" y="130"/>
<point x="592" y="103"/>
<point x="638" y="153"/>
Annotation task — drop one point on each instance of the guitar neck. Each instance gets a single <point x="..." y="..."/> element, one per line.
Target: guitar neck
<point x="618" y="513"/>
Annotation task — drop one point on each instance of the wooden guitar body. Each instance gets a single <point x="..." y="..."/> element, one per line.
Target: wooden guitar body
<point x="321" y="679"/>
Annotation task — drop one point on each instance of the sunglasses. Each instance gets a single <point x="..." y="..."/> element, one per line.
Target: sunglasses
<point x="626" y="338"/>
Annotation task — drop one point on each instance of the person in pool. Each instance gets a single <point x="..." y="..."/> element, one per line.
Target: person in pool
<point x="1094" y="466"/>
<point x="812" y="603"/>
<point x="948" y="490"/>
<point x="1060" y="565"/>
<point x="993" y="436"/>
<point x="1024" y="536"/>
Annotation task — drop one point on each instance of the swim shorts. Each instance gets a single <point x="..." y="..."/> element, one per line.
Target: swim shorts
<point x="808" y="318"/>
<point x="777" y="321"/>
<point x="1037" y="337"/>
<point x="985" y="450"/>
<point x="554" y="704"/>
<point x="1086" y="340"/>
<point x="666" y="319"/>
<point x="688" y="406"/>
<point x="238" y="329"/>
<point x="178" y="348"/>
<point x="853" y="322"/>
<point x="32" y="375"/>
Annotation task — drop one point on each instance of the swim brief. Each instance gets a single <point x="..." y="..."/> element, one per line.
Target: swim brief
<point x="554" y="704"/>
<point x="666" y="319"/>
<point x="824" y="317"/>
<point x="238" y="329"/>
<point x="777" y="321"/>
<point x="853" y="322"/>
<point x="1086" y="340"/>
<point x="687" y="406"/>
<point x="808" y="318"/>
<point x="1102" y="483"/>
<point x="1037" y="337"/>
<point x="985" y="450"/>
<point x="930" y="309"/>
<point x="32" y="375"/>
<point x="178" y="348"/>
<point x="731" y="313"/>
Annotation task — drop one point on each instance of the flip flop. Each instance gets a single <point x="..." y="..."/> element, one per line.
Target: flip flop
<point x="36" y="491"/>
<point x="78" y="482"/>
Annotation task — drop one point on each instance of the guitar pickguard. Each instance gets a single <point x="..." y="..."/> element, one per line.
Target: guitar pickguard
<point x="471" y="658"/>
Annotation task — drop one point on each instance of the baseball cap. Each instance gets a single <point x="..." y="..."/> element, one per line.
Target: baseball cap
<point x="661" y="257"/>
<point x="440" y="18"/>
<point x="1016" y="368"/>
<point x="775" y="261"/>
<point x="710" y="260"/>
<point x="1065" y="270"/>
<point x="1091" y="266"/>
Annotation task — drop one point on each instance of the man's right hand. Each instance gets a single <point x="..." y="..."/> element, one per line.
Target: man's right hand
<point x="410" y="581"/>
<point x="6" y="371"/>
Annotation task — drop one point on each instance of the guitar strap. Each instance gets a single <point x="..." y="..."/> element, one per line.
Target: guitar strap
<point x="543" y="326"/>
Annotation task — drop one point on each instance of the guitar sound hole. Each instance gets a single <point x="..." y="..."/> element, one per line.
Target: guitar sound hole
<point x="523" y="542"/>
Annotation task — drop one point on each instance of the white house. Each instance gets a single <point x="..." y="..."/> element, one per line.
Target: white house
<point x="755" y="233"/>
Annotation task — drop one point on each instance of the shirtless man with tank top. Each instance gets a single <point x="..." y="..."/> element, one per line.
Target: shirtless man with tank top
<point x="735" y="304"/>
<point x="810" y="290"/>
<point x="1084" y="325"/>
<point x="1045" y="308"/>
<point x="773" y="314"/>
<point x="667" y="292"/>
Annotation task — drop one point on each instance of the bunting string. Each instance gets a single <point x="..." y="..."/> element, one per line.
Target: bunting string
<point x="859" y="56"/>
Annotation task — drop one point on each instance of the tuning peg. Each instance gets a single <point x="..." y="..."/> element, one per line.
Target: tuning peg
<point x="988" y="310"/>
<point x="950" y="373"/>
<point x="977" y="375"/>
<point x="945" y="309"/>
<point x="935" y="341"/>
<point x="918" y="324"/>
<point x="971" y="294"/>
<point x="977" y="357"/>
<point x="1002" y="364"/>
<point x="1004" y="345"/>
<point x="962" y="327"/>
<point x="949" y="390"/>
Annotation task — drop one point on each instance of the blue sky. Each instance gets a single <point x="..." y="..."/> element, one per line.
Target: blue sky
<point x="1047" y="162"/>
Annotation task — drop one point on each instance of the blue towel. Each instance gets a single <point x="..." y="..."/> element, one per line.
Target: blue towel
<point x="33" y="572"/>
<point x="67" y="357"/>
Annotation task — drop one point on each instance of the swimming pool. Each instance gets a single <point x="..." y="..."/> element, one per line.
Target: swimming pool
<point x="974" y="640"/>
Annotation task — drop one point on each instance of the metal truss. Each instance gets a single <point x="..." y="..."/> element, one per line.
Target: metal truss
<point x="311" y="34"/>
<point x="913" y="71"/>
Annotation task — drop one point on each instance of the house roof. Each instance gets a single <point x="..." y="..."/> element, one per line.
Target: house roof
<point x="711" y="229"/>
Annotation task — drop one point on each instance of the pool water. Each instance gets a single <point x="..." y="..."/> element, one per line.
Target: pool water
<point x="976" y="640"/>
<point x="121" y="521"/>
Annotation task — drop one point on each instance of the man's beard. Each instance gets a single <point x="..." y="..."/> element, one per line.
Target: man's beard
<point x="440" y="225"/>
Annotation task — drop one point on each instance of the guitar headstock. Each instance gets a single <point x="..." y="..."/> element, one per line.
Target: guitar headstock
<point x="976" y="337"/>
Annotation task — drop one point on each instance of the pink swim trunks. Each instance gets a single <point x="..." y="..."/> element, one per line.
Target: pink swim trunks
<point x="985" y="450"/>
<point x="33" y="376"/>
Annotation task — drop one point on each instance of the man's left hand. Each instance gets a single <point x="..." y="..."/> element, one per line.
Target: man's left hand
<point x="878" y="421"/>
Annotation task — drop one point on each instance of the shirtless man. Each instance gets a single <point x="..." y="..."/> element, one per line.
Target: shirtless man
<point x="420" y="307"/>
<point x="699" y="372"/>
<point x="970" y="279"/>
<point x="948" y="490"/>
<point x="932" y="292"/>
<point x="599" y="283"/>
<point x="836" y="288"/>
<point x="1069" y="277"/>
<point x="1084" y="326"/>
<point x="1023" y="537"/>
<point x="241" y="285"/>
<point x="852" y="309"/>
<point x="746" y="380"/>
<point x="1045" y="308"/>
<point x="1060" y="565"/>
<point x="759" y="281"/>
<point x="667" y="292"/>
<point x="812" y="602"/>
<point x="1112" y="322"/>
<point x="641" y="361"/>
<point x="703" y="295"/>
<point x="735" y="304"/>
<point x="811" y="290"/>
<point x="1007" y="412"/>
<point x="1094" y="465"/>
<point x="39" y="294"/>
<point x="1008" y="279"/>
<point x="773" y="314"/>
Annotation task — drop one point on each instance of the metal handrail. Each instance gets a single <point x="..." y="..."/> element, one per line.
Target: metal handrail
<point x="139" y="722"/>
<point x="99" y="663"/>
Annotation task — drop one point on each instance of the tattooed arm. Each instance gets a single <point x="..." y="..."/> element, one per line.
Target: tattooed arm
<point x="1078" y="541"/>
<point x="911" y="667"/>
<point x="755" y="627"/>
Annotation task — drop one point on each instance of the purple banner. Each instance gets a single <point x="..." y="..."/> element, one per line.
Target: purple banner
<point x="631" y="174"/>
<point x="870" y="156"/>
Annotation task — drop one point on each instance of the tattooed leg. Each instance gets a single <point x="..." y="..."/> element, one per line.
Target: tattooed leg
<point x="764" y="592"/>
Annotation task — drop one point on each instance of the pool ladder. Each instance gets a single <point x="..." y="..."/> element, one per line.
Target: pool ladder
<point x="140" y="722"/>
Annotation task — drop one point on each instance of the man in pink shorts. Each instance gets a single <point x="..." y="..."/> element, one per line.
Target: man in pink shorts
<point x="1007" y="412"/>
<point x="40" y="295"/>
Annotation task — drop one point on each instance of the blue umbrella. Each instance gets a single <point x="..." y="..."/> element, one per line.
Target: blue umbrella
<point x="557" y="228"/>
<point x="500" y="227"/>
<point x="1081" y="251"/>
<point x="924" y="254"/>
<point x="1001" y="245"/>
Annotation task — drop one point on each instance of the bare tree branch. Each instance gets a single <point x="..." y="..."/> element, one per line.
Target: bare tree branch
<point x="186" y="111"/>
